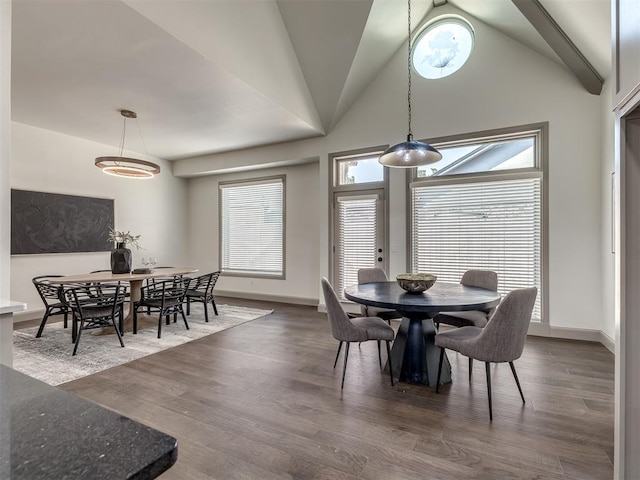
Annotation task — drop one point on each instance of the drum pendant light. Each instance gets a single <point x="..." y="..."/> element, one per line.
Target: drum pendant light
<point x="411" y="153"/>
<point x="124" y="166"/>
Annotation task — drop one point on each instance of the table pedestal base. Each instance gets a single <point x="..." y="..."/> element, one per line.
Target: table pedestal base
<point x="414" y="355"/>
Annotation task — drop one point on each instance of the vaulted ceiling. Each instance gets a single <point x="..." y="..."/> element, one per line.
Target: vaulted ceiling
<point x="209" y="76"/>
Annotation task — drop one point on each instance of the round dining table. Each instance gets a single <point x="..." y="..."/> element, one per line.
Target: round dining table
<point x="414" y="356"/>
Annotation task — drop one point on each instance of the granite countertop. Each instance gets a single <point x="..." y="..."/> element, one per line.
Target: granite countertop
<point x="48" y="433"/>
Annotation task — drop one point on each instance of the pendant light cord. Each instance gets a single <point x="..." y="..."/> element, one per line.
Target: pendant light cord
<point x="142" y="138"/>
<point x="124" y="132"/>
<point x="410" y="134"/>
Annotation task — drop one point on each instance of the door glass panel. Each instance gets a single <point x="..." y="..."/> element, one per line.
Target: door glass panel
<point x="358" y="237"/>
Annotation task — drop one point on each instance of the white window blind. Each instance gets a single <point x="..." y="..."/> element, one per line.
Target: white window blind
<point x="493" y="225"/>
<point x="252" y="227"/>
<point x="356" y="239"/>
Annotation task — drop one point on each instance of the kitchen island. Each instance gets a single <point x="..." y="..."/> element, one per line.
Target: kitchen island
<point x="48" y="433"/>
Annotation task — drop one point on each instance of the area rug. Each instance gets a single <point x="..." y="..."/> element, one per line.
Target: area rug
<point x="49" y="359"/>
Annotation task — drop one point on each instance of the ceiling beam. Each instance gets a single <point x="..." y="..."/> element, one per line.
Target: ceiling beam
<point x="551" y="32"/>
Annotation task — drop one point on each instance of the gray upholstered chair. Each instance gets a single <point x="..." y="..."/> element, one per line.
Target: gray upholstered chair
<point x="501" y="340"/>
<point x="358" y="329"/>
<point x="475" y="318"/>
<point x="371" y="275"/>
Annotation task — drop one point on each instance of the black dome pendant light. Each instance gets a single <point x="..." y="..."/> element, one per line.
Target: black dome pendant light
<point x="411" y="153"/>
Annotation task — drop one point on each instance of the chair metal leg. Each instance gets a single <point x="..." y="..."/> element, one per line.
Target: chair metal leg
<point x="117" y="331"/>
<point x="188" y="306"/>
<point x="439" y="370"/>
<point x="42" y="324"/>
<point x="184" y="318"/>
<point x="488" y="369"/>
<point x="160" y="324"/>
<point x="337" y="354"/>
<point x="515" y="375"/>
<point x="121" y="319"/>
<point x="389" y="361"/>
<point x="470" y="367"/>
<point x="74" y="328"/>
<point x="344" y="370"/>
<point x="206" y="311"/>
<point x="215" y="309"/>
<point x="66" y="314"/>
<point x="379" y="356"/>
<point x="75" y="348"/>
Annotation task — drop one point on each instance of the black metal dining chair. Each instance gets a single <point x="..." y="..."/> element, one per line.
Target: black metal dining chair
<point x="95" y="306"/>
<point x="50" y="295"/>
<point x="201" y="290"/>
<point x="165" y="298"/>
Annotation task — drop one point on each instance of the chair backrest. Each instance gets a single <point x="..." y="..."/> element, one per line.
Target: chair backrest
<point x="204" y="283"/>
<point x="486" y="279"/>
<point x="341" y="327"/>
<point x="93" y="300"/>
<point x="48" y="292"/>
<point x="161" y="279"/>
<point x="502" y="339"/>
<point x="174" y="289"/>
<point x="371" y="275"/>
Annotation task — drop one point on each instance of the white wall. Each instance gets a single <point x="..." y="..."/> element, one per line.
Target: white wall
<point x="5" y="147"/>
<point x="302" y="234"/>
<point x="608" y="259"/>
<point x="504" y="84"/>
<point x="47" y="161"/>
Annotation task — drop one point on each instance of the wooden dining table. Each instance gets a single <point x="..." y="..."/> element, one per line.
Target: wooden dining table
<point x="135" y="281"/>
<point x="414" y="356"/>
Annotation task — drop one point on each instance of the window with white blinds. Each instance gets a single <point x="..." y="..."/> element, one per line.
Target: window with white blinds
<point x="252" y="227"/>
<point x="357" y="237"/>
<point x="483" y="212"/>
<point x="488" y="225"/>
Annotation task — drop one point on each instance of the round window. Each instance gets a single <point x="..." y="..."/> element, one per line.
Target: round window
<point x="442" y="48"/>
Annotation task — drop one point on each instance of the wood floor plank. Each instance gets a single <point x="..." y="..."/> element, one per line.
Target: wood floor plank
<point x="262" y="401"/>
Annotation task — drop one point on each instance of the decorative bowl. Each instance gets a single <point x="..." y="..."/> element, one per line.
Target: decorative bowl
<point x="416" y="282"/>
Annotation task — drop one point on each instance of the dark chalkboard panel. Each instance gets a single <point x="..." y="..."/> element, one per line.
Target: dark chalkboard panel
<point x="53" y="223"/>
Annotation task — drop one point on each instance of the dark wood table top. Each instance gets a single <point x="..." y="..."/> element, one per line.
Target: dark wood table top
<point x="439" y="298"/>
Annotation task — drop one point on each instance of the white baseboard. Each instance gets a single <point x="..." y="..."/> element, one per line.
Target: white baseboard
<point x="608" y="342"/>
<point x="267" y="297"/>
<point x="30" y="315"/>
<point x="584" y="334"/>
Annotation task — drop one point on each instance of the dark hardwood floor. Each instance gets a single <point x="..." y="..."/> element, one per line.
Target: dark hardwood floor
<point x="262" y="401"/>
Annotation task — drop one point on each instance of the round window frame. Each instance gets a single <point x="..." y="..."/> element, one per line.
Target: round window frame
<point x="436" y="23"/>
